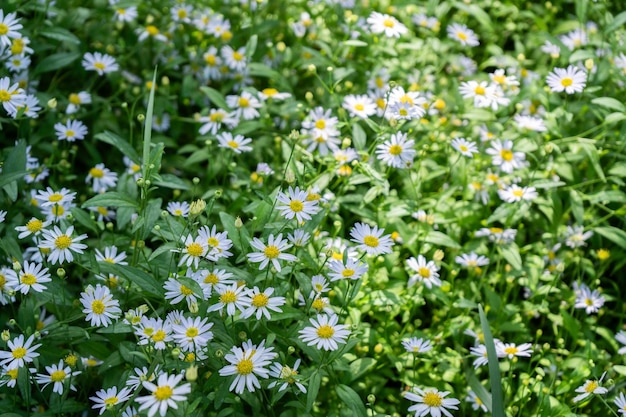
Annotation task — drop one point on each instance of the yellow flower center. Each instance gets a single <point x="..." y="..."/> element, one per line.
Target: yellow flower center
<point x="159" y="336"/>
<point x="195" y="249"/>
<point x="260" y="300"/>
<point x="518" y="193"/>
<point x="245" y="367"/>
<point x="243" y="102"/>
<point x="18" y="352"/>
<point x="424" y="272"/>
<point x="463" y="148"/>
<point x="74" y="99"/>
<point x="97" y="306"/>
<point x="211" y="279"/>
<point x="99" y="65"/>
<point x="461" y="35"/>
<point x="318" y="304"/>
<point x="5" y="95"/>
<point x="432" y="399"/>
<point x="371" y="241"/>
<point x="480" y="91"/>
<point x="591" y="386"/>
<point x="4" y="29"/>
<point x="191" y="332"/>
<point x="96" y="172"/>
<point x="506" y="154"/>
<point x="58" y="376"/>
<point x="111" y="401"/>
<point x="388" y="23"/>
<point x="70" y="133"/>
<point x="380" y="102"/>
<point x="500" y="79"/>
<point x="63" y="242"/>
<point x="566" y="82"/>
<point x="237" y="56"/>
<point x="28" y="279"/>
<point x="233" y="144"/>
<point x="55" y="198"/>
<point x="347" y="273"/>
<point x="588" y="301"/>
<point x="270" y="92"/>
<point x="152" y="30"/>
<point x="511" y="350"/>
<point x="320" y="124"/>
<point x="325" y="331"/>
<point x="271" y="252"/>
<point x="186" y="291"/>
<point x="296" y="206"/>
<point x="216" y="117"/>
<point x="34" y="225"/>
<point x="395" y="150"/>
<point x="3" y="282"/>
<point x="407" y="99"/>
<point x="359" y="107"/>
<point x="103" y="211"/>
<point x="163" y="393"/>
<point x="228" y="297"/>
<point x="12" y="373"/>
<point x="210" y="59"/>
<point x="182" y="13"/>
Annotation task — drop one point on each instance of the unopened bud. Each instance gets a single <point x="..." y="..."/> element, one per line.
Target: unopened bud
<point x="238" y="223"/>
<point x="191" y="373"/>
<point x="52" y="103"/>
<point x="141" y="117"/>
<point x="61" y="273"/>
<point x="438" y="256"/>
<point x="6" y="335"/>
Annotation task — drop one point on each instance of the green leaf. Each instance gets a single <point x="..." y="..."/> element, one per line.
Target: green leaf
<point x="615" y="235"/>
<point x="147" y="134"/>
<point x="594" y="158"/>
<point x="122" y="145"/>
<point x="84" y="219"/>
<point x="619" y="20"/>
<point x="576" y="204"/>
<point x="477" y="13"/>
<point x="355" y="42"/>
<point x="608" y="196"/>
<point x="351" y="399"/>
<point x="441" y="239"/>
<point x="494" y="367"/>
<point x="116" y="328"/>
<point x="614" y="118"/>
<point x="360" y="366"/>
<point x="479" y="115"/>
<point x="358" y="137"/>
<point x="313" y="389"/>
<point x="59" y="34"/>
<point x="172" y="181"/>
<point x="215" y="96"/>
<point x="251" y="46"/>
<point x="510" y="252"/>
<point x="609" y="103"/>
<point x="146" y="282"/>
<point x="480" y="391"/>
<point x="111" y="199"/>
<point x="257" y="69"/>
<point x="6" y="178"/>
<point x="56" y="61"/>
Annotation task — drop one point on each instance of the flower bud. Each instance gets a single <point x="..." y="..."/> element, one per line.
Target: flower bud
<point x="61" y="273"/>
<point x="141" y="117"/>
<point x="238" y="223"/>
<point x="52" y="103"/>
<point x="191" y="373"/>
<point x="6" y="335"/>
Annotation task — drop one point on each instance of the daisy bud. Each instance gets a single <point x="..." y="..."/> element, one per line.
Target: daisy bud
<point x="308" y="96"/>
<point x="17" y="266"/>
<point x="193" y="308"/>
<point x="311" y="68"/>
<point x="371" y="399"/>
<point x="589" y="64"/>
<point x="377" y="349"/>
<point x="218" y="193"/>
<point x="191" y="373"/>
<point x="141" y="117"/>
<point x="196" y="180"/>
<point x="52" y="103"/>
<point x="290" y="177"/>
<point x="238" y="223"/>
<point x="438" y="256"/>
<point x="219" y="353"/>
<point x="291" y="350"/>
<point x="157" y="227"/>
<point x="6" y="335"/>
<point x="61" y="273"/>
<point x="346" y="142"/>
<point x="12" y="322"/>
<point x="329" y="69"/>
<point x="148" y="183"/>
<point x="243" y="335"/>
<point x="280" y="46"/>
<point x="165" y="80"/>
<point x="175" y="353"/>
<point x="37" y="334"/>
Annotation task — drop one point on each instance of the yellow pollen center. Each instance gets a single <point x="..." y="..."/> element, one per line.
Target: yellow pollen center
<point x="186" y="291"/>
<point x="210" y="59"/>
<point x="432" y="399"/>
<point x="182" y="13"/>
<point x="271" y="252"/>
<point x="245" y="367"/>
<point x="111" y="401"/>
<point x="28" y="279"/>
<point x="228" y="297"/>
<point x="97" y="306"/>
<point x="152" y="30"/>
<point x="395" y="150"/>
<point x="5" y="95"/>
<point x="371" y="241"/>
<point x="588" y="301"/>
<point x="511" y="350"/>
<point x="34" y="225"/>
<point x="461" y="35"/>
<point x="63" y="242"/>
<point x="74" y="99"/>
<point x="424" y="272"/>
<point x="237" y="56"/>
<point x="70" y="133"/>
<point x="4" y="29"/>
<point x="320" y="124"/>
<point x="518" y="193"/>
<point x="566" y="82"/>
<point x="3" y="282"/>
<point x="318" y="304"/>
<point x="233" y="144"/>
<point x="18" y="352"/>
<point x="211" y="279"/>
<point x="103" y="211"/>
<point x="506" y="154"/>
<point x="325" y="331"/>
<point x="162" y="393"/>
<point x="496" y="230"/>
<point x="406" y="99"/>
<point x="388" y="23"/>
<point x="500" y="79"/>
<point x="347" y="273"/>
<point x="216" y="117"/>
<point x="191" y="332"/>
<point x="260" y="300"/>
<point x="55" y="198"/>
<point x="159" y="336"/>
<point x="296" y="206"/>
<point x="12" y="373"/>
<point x="591" y="386"/>
<point x="243" y="102"/>
<point x="99" y="65"/>
<point x="463" y="148"/>
<point x="479" y="90"/>
<point x="359" y="107"/>
<point x="96" y="172"/>
<point x="195" y="249"/>
<point x="57" y="376"/>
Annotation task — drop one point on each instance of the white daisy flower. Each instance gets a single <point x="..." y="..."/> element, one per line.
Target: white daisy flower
<point x="371" y="239"/>
<point x="20" y="352"/>
<point x="295" y="203"/>
<point x="214" y="121"/>
<point x="164" y="394"/>
<point x="535" y="124"/>
<point x="286" y="375"/>
<point x="57" y="375"/>
<point x="50" y="197"/>
<point x="353" y="269"/>
<point x="195" y="249"/>
<point x="217" y="242"/>
<point x="237" y="144"/>
<point x="99" y="305"/>
<point x="127" y="14"/>
<point x="245" y="105"/>
<point x="235" y="59"/>
<point x="248" y="363"/>
<point x="71" y="131"/>
<point x="76" y="100"/>
<point x="620" y="402"/>
<point x="511" y="349"/>
<point x="480" y="352"/>
<point x="465" y="147"/>
<point x="621" y="337"/>
<point x="476" y="402"/>
<point x="504" y="157"/>
<point x="33" y="227"/>
<point x="101" y="63"/>
<point x="272" y="252"/>
<point x="471" y="260"/>
<point x="140" y="375"/>
<point x="155" y="331"/>
<point x="31" y="277"/>
<point x="514" y="193"/>
<point x="590" y="387"/>
<point x="462" y="34"/>
<point x="11" y="96"/>
<point x="415" y="345"/>
<point x="571" y="80"/>
<point x="359" y="105"/>
<point x="299" y="237"/>
<point x="192" y="334"/>
<point x="261" y="303"/>
<point x="426" y="272"/>
<point x="111" y="256"/>
<point x="105" y="399"/>
<point x="575" y="237"/>
<point x="61" y="244"/>
<point x="178" y="208"/>
<point x="233" y="297"/>
<point x="101" y="178"/>
<point x="384" y="23"/>
<point x="9" y="28"/>
<point x="397" y="151"/>
<point x="431" y="401"/>
<point x="151" y="32"/>
<point x="320" y="129"/>
<point x="325" y="332"/>
<point x="591" y="301"/>
<point x="209" y="280"/>
<point x="273" y="94"/>
<point x="176" y="291"/>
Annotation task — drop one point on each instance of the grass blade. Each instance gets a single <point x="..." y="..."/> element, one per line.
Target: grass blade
<point x="497" y="398"/>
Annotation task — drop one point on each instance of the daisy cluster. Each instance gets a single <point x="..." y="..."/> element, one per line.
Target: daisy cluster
<point x="265" y="207"/>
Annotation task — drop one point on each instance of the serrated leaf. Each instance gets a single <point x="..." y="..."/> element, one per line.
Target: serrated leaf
<point x="215" y="96"/>
<point x="111" y="199"/>
<point x="609" y="103"/>
<point x="122" y="145"/>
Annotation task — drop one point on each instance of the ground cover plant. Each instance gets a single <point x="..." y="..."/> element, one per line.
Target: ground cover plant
<point x="333" y="208"/>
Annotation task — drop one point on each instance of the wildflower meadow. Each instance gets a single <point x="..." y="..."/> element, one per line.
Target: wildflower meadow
<point x="312" y="208"/>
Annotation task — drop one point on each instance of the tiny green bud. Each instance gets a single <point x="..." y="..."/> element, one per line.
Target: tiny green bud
<point x="141" y="117"/>
<point x="61" y="273"/>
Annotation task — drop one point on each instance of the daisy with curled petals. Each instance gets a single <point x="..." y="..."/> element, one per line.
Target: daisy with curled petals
<point x="178" y="208"/>
<point x="101" y="63"/>
<point x="100" y="306"/>
<point x="163" y="394"/>
<point x="425" y="271"/>
<point x="262" y="302"/>
<point x="248" y="363"/>
<point x="233" y="297"/>
<point x="71" y="131"/>
<point x="237" y="144"/>
<point x="106" y="399"/>
<point x="462" y="34"/>
<point x="571" y="80"/>
<point x="589" y="300"/>
<point x="353" y="269"/>
<point x="57" y="375"/>
<point x="20" y="352"/>
<point x="325" y="332"/>
<point x="511" y="349"/>
<point x="415" y="345"/>
<point x="383" y="23"/>
<point x="217" y="242"/>
<point x="371" y="239"/>
<point x="575" y="236"/>
<point x="272" y="252"/>
<point x="294" y="203"/>
<point x="465" y="147"/>
<point x="288" y="376"/>
<point x="397" y="151"/>
<point x="194" y="250"/>
<point x="245" y="105"/>
<point x="61" y="245"/>
<point x="514" y="193"/>
<point x="192" y="333"/>
<point x="102" y="178"/>
<point x="30" y="277"/>
<point x="480" y="352"/>
<point x="431" y="401"/>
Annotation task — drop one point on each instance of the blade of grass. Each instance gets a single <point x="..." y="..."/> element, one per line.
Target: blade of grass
<point x="147" y="132"/>
<point x="497" y="398"/>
